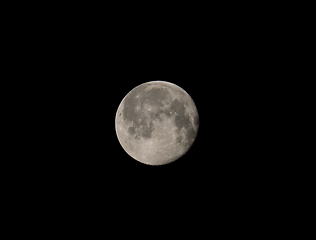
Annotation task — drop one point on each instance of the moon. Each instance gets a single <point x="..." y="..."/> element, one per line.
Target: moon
<point x="157" y="122"/>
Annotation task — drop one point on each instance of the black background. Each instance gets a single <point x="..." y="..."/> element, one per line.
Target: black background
<point x="91" y="69"/>
<point x="80" y="65"/>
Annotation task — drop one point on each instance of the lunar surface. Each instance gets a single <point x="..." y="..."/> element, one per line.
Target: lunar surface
<point x="157" y="122"/>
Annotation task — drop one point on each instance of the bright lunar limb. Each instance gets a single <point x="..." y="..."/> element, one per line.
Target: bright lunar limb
<point x="157" y="122"/>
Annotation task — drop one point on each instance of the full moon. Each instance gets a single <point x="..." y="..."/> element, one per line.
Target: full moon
<point x="157" y="122"/>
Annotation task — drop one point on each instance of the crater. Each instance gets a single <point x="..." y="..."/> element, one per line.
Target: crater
<point x="179" y="139"/>
<point x="154" y="96"/>
<point x="131" y="130"/>
<point x="181" y="121"/>
<point x="141" y="121"/>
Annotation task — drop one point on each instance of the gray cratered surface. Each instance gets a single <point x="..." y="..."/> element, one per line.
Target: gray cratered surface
<point x="157" y="122"/>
